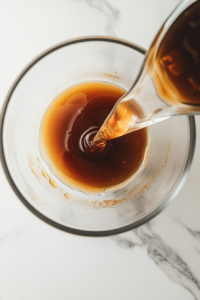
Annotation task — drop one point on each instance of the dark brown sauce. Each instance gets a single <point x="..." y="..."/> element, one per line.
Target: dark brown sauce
<point x="177" y="70"/>
<point x="78" y="109"/>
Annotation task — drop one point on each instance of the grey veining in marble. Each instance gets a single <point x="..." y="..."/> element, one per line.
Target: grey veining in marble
<point x="164" y="256"/>
<point x="158" y="261"/>
<point x="111" y="12"/>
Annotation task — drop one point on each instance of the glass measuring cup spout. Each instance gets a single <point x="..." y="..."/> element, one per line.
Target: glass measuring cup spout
<point x="169" y="79"/>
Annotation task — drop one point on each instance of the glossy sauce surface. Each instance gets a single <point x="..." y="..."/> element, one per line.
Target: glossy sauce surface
<point x="84" y="107"/>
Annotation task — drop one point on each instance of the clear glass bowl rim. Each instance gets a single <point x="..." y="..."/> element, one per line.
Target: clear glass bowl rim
<point x="94" y="233"/>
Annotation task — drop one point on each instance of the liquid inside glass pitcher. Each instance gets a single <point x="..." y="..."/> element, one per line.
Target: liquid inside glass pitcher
<point x="169" y="80"/>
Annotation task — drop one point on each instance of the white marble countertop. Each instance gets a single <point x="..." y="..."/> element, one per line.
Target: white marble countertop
<point x="160" y="260"/>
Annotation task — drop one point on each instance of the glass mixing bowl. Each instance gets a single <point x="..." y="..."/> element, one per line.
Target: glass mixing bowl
<point x="119" y="209"/>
